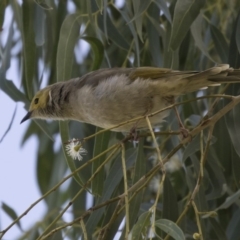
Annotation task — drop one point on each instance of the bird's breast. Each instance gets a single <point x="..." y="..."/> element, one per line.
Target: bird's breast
<point x="118" y="100"/>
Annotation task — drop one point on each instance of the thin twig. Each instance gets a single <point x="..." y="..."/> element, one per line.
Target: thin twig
<point x="125" y="190"/>
<point x="198" y="220"/>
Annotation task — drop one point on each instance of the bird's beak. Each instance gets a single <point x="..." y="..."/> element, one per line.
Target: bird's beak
<point x="28" y="115"/>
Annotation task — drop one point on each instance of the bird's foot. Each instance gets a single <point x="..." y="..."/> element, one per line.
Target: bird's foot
<point x="184" y="133"/>
<point x="134" y="135"/>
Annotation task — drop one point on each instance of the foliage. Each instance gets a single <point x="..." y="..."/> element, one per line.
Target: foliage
<point x="197" y="193"/>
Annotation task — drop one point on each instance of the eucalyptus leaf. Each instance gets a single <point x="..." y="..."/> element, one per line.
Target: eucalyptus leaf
<point x="68" y="37"/>
<point x="230" y="200"/>
<point x="11" y="213"/>
<point x="100" y="145"/>
<point x="196" y="30"/>
<point x="140" y="229"/>
<point x="218" y="229"/>
<point x="43" y="4"/>
<point x="220" y="43"/>
<point x="9" y="126"/>
<point x="29" y="46"/>
<point x="98" y="50"/>
<point x="185" y="13"/>
<point x="238" y="34"/>
<point x="170" y="228"/>
<point x="163" y="7"/>
<point x="3" y="5"/>
<point x="113" y="32"/>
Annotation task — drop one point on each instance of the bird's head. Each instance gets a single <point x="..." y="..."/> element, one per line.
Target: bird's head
<point x="40" y="106"/>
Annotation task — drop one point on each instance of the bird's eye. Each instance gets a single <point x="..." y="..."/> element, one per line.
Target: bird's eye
<point x="36" y="100"/>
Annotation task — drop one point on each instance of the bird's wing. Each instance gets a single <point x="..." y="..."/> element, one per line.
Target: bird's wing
<point x="157" y="73"/>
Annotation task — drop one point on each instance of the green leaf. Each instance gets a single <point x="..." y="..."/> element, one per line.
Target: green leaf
<point x="163" y="7"/>
<point x="170" y="204"/>
<point x="98" y="51"/>
<point x="44" y="127"/>
<point x="219" y="231"/>
<point x="139" y="9"/>
<point x="235" y="166"/>
<point x="68" y="37"/>
<point x="12" y="91"/>
<point x="99" y="4"/>
<point x="196" y="30"/>
<point x="233" y="228"/>
<point x="113" y="33"/>
<point x="220" y="43"/>
<point x="139" y="171"/>
<point x="234" y="55"/>
<point x="9" y="126"/>
<point x="11" y="213"/>
<point x="3" y="4"/>
<point x="100" y="145"/>
<point x="134" y="34"/>
<point x="40" y="27"/>
<point x="215" y="176"/>
<point x="153" y="36"/>
<point x="230" y="200"/>
<point x="170" y="228"/>
<point x="238" y="34"/>
<point x="233" y="126"/>
<point x="185" y="13"/>
<point x="140" y="229"/>
<point x="29" y="46"/>
<point x="43" y="4"/>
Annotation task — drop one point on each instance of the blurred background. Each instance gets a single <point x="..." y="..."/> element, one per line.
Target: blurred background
<point x="45" y="41"/>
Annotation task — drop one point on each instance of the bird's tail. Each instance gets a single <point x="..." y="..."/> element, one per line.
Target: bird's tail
<point x="193" y="81"/>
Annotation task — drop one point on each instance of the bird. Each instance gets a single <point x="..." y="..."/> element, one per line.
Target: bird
<point x="110" y="96"/>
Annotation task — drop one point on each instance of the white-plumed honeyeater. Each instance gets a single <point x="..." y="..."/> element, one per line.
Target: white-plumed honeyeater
<point x="108" y="97"/>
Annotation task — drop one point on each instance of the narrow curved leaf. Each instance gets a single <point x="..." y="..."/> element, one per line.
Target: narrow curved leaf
<point x="11" y="213"/>
<point x="218" y="229"/>
<point x="134" y="34"/>
<point x="196" y="30"/>
<point x="98" y="51"/>
<point x="185" y="13"/>
<point x="170" y="204"/>
<point x="140" y="229"/>
<point x="139" y="171"/>
<point x="3" y="5"/>
<point x="139" y="9"/>
<point x="238" y="34"/>
<point x="230" y="200"/>
<point x="220" y="43"/>
<point x="100" y="145"/>
<point x="153" y="36"/>
<point x="164" y="8"/>
<point x="29" y="46"/>
<point x="68" y="37"/>
<point x="234" y="54"/>
<point x="43" y="4"/>
<point x="113" y="33"/>
<point x="170" y="228"/>
<point x="9" y="126"/>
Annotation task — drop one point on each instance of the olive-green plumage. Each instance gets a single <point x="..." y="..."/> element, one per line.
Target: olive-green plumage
<point x="108" y="97"/>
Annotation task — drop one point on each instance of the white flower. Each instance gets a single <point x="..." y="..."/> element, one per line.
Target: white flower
<point x="75" y="150"/>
